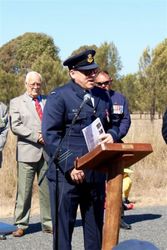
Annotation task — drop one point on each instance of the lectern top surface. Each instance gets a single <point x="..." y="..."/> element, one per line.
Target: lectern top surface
<point x="128" y="153"/>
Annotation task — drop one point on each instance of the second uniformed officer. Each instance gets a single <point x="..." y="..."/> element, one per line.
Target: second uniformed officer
<point x="119" y="104"/>
<point x="120" y="116"/>
<point x="65" y="115"/>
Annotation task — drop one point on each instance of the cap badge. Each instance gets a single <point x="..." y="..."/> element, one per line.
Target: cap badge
<point x="90" y="58"/>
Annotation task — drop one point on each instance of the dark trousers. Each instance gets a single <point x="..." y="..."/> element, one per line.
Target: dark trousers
<point x="90" y="197"/>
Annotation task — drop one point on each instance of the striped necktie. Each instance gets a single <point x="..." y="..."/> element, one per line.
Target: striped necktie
<point x="38" y="108"/>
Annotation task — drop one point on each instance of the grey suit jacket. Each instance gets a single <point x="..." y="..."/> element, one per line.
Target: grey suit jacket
<point x="25" y="124"/>
<point x="3" y="127"/>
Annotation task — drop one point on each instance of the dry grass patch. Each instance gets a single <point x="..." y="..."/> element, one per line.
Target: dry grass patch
<point x="149" y="182"/>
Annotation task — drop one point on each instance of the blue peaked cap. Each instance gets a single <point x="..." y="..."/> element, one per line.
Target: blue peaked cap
<point x="82" y="61"/>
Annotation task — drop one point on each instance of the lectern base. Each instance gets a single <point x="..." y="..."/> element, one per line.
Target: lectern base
<point x="112" y="158"/>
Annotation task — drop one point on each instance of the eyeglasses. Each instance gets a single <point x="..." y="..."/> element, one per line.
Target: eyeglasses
<point x="103" y="83"/>
<point x="32" y="85"/>
<point x="89" y="72"/>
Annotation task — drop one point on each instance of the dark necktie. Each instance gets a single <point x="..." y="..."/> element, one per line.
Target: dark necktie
<point x="91" y="100"/>
<point x="38" y="108"/>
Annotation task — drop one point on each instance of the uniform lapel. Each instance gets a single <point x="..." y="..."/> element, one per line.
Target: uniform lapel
<point x="96" y="99"/>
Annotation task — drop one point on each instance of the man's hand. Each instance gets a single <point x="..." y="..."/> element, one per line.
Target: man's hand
<point x="77" y="176"/>
<point x="105" y="138"/>
<point x="40" y="138"/>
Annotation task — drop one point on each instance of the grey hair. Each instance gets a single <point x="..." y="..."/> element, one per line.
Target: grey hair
<point x="30" y="74"/>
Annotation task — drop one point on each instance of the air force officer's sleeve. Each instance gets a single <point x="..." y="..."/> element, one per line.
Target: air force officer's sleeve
<point x="125" y="121"/>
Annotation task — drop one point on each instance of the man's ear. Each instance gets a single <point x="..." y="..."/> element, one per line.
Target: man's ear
<point x="71" y="73"/>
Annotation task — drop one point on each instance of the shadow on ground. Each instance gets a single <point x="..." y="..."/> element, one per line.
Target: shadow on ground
<point x="131" y="219"/>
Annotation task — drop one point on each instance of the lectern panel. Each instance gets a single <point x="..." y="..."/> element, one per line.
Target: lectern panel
<point x="112" y="158"/>
<point x="106" y="153"/>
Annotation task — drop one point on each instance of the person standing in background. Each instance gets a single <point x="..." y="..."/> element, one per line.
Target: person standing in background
<point x="120" y="116"/>
<point x="120" y="110"/>
<point x="25" y="120"/>
<point x="164" y="126"/>
<point x="126" y="187"/>
<point x="4" y="127"/>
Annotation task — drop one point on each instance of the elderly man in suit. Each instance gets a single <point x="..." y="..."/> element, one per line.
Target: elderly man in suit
<point x="25" y="121"/>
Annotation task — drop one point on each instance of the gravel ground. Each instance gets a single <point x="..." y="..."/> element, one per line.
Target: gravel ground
<point x="148" y="223"/>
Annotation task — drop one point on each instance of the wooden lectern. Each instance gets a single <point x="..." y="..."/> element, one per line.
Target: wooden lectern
<point x="112" y="158"/>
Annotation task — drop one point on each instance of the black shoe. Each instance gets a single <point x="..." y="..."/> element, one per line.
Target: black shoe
<point x="126" y="201"/>
<point x="125" y="206"/>
<point x="47" y="230"/>
<point x="125" y="225"/>
<point x="2" y="237"/>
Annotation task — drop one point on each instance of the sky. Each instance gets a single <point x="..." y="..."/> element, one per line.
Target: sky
<point x="132" y="25"/>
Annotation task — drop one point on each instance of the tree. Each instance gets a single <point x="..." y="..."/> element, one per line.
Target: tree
<point x="82" y="48"/>
<point x="130" y="88"/>
<point x="159" y="69"/>
<point x="19" y="54"/>
<point x="147" y="85"/>
<point x="108" y="58"/>
<point x="8" y="85"/>
<point x="153" y="71"/>
<point x="31" y="51"/>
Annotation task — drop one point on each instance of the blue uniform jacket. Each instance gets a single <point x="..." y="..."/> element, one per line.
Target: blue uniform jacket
<point x="120" y="113"/>
<point x="61" y="106"/>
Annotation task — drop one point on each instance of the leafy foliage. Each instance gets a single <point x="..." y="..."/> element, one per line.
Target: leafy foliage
<point x="8" y="85"/>
<point x="82" y="48"/>
<point x="146" y="90"/>
<point x="31" y="51"/>
<point x="108" y="59"/>
<point x="19" y="54"/>
<point x="152" y="75"/>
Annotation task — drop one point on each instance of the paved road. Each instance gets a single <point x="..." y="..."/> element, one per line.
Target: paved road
<point x="147" y="224"/>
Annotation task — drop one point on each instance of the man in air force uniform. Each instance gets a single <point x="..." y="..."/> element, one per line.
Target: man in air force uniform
<point x="65" y="115"/>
